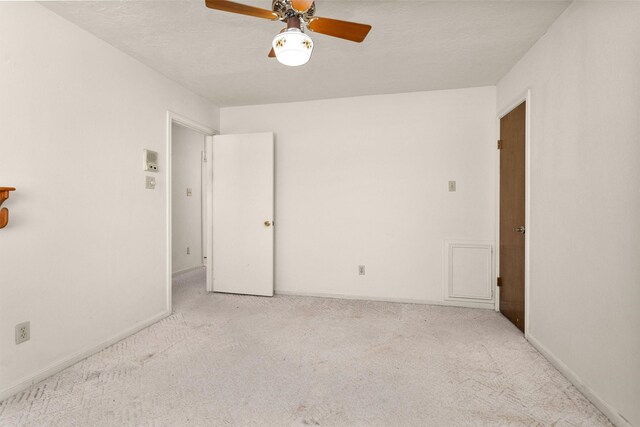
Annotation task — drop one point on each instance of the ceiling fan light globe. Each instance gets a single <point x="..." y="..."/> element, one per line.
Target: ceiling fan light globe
<point x="293" y="47"/>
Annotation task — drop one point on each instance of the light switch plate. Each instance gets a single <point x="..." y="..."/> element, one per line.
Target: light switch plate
<point x="189" y="192"/>
<point x="452" y="186"/>
<point x="150" y="182"/>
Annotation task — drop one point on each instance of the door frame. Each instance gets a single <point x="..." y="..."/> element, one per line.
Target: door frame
<point x="175" y="118"/>
<point x="523" y="97"/>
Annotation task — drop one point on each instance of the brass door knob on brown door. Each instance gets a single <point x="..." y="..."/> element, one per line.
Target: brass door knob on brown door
<point x="519" y="229"/>
<point x="267" y="223"/>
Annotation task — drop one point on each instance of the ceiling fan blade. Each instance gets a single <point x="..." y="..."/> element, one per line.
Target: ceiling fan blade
<point x="342" y="29"/>
<point x="243" y="9"/>
<point x="301" y="5"/>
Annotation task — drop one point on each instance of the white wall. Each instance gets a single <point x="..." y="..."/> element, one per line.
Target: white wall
<point x="186" y="172"/>
<point x="364" y="181"/>
<point x="84" y="255"/>
<point x="584" y="77"/>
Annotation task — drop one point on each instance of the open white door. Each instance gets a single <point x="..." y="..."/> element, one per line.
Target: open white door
<point x="243" y="214"/>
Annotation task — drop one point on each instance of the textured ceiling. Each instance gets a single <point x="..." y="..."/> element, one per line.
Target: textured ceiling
<point x="413" y="46"/>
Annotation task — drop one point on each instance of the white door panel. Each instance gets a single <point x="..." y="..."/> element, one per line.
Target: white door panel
<point x="242" y="203"/>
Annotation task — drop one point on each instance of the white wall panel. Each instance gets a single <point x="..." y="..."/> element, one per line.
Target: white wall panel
<point x="364" y="181"/>
<point x="84" y="257"/>
<point x="585" y="205"/>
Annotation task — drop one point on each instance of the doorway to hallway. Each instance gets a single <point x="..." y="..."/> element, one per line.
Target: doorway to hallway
<point x="187" y="199"/>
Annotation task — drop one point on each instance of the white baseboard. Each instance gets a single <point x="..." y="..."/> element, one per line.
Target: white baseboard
<point x="603" y="406"/>
<point x="64" y="363"/>
<point x="466" y="304"/>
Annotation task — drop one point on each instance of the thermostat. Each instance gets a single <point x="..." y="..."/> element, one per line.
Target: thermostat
<point x="150" y="160"/>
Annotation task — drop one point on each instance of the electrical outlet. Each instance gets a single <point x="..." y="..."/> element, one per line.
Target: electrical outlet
<point x="452" y="186"/>
<point x="23" y="332"/>
<point x="188" y="250"/>
<point x="361" y="270"/>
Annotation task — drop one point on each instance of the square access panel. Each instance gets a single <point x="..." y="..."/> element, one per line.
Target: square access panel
<point x="469" y="271"/>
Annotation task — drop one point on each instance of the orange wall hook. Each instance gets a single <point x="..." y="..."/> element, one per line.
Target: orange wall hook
<point x="4" y="212"/>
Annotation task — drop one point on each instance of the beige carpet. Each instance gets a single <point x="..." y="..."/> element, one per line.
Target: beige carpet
<point x="228" y="360"/>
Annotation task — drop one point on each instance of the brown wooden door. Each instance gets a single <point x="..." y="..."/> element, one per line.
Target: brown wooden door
<point x="512" y="210"/>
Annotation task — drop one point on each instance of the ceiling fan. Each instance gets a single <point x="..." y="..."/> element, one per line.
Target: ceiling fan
<point x="292" y="46"/>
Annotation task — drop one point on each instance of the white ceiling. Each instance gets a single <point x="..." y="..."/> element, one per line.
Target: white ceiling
<point x="413" y="46"/>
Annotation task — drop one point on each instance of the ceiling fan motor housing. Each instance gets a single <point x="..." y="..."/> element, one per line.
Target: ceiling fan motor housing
<point x="284" y="9"/>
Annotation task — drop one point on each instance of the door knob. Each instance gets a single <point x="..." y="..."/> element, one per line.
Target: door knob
<point x="267" y="223"/>
<point x="519" y="229"/>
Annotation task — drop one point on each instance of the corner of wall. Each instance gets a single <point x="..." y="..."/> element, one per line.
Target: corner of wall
<point x="574" y="379"/>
